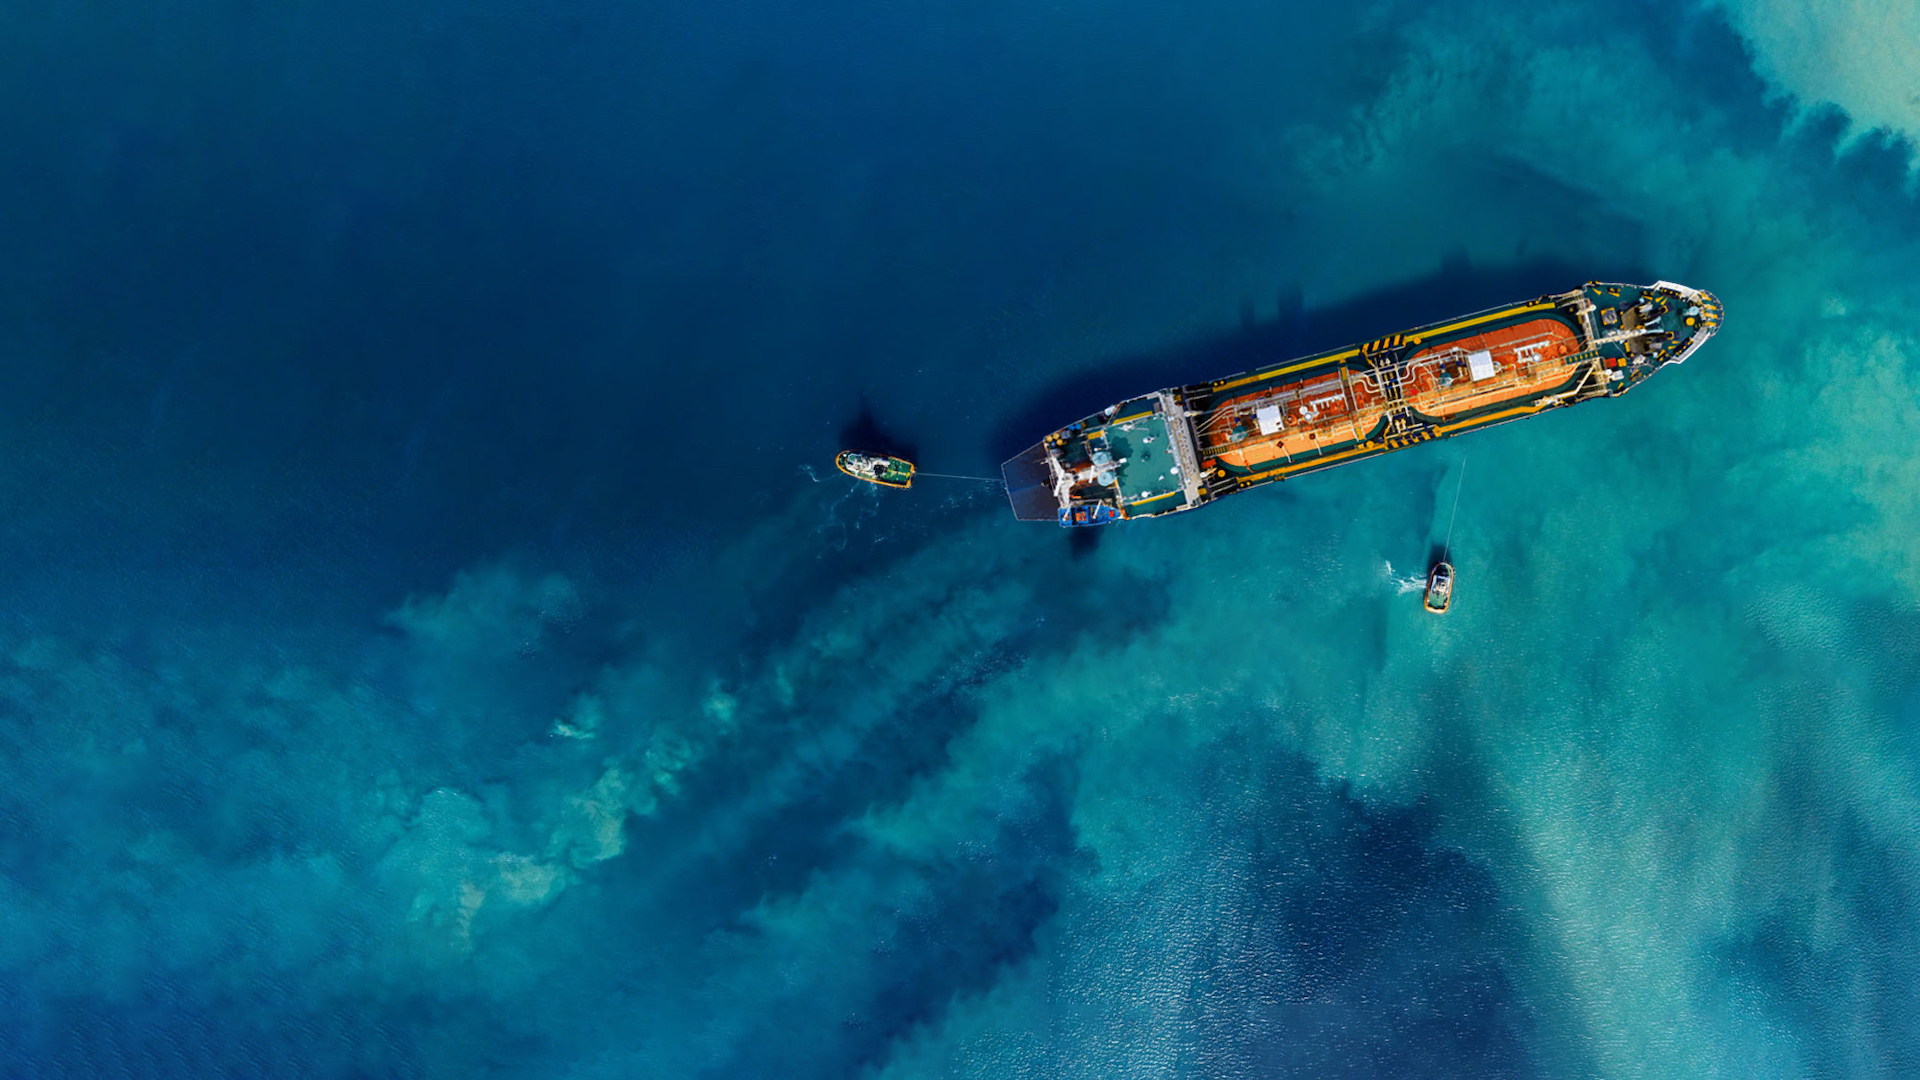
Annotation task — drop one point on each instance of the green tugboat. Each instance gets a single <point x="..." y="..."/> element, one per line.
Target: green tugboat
<point x="879" y="469"/>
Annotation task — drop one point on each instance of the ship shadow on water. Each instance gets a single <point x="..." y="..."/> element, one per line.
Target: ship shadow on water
<point x="1457" y="288"/>
<point x="866" y="434"/>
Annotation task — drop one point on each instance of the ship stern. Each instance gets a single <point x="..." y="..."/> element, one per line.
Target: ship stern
<point x="1029" y="480"/>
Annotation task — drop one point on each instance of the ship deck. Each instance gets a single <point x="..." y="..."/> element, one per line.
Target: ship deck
<point x="1327" y="408"/>
<point x="1149" y="477"/>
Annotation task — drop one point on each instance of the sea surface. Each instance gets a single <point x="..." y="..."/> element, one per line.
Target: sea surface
<point x="434" y="641"/>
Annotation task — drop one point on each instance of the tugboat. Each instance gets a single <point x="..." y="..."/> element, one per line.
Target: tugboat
<point x="1439" y="587"/>
<point x="879" y="469"/>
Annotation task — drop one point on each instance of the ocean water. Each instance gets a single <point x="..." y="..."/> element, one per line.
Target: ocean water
<point x="434" y="641"/>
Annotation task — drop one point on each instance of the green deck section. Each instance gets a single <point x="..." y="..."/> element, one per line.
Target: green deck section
<point x="1145" y="480"/>
<point x="1606" y="295"/>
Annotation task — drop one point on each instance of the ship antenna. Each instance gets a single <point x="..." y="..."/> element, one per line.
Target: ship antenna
<point x="1446" y="550"/>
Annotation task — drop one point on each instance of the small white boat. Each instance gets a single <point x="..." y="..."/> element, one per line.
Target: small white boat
<point x="1439" y="587"/>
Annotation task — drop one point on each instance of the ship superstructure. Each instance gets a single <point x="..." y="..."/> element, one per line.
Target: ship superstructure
<point x="1182" y="447"/>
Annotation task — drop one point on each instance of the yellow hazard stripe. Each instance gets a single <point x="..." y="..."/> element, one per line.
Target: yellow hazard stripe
<point x="1370" y="447"/>
<point x="1290" y="369"/>
<point x="1504" y="313"/>
<point x="1546" y="305"/>
<point x="1303" y="466"/>
<point x="1313" y="463"/>
<point x="1479" y="420"/>
<point x="1156" y="498"/>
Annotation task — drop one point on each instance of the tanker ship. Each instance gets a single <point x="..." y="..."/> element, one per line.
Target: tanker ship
<point x="1184" y="447"/>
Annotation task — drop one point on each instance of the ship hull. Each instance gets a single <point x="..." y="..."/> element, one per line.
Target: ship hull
<point x="1183" y="447"/>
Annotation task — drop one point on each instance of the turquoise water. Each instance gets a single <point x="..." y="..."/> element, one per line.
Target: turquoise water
<point x="434" y="641"/>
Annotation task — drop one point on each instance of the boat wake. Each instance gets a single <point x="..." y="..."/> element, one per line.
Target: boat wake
<point x="1402" y="585"/>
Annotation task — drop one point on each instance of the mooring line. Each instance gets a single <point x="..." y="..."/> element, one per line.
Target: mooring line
<point x="955" y="476"/>
<point x="1447" y="548"/>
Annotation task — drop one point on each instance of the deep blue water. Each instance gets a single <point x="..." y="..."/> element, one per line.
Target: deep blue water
<point x="434" y="641"/>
